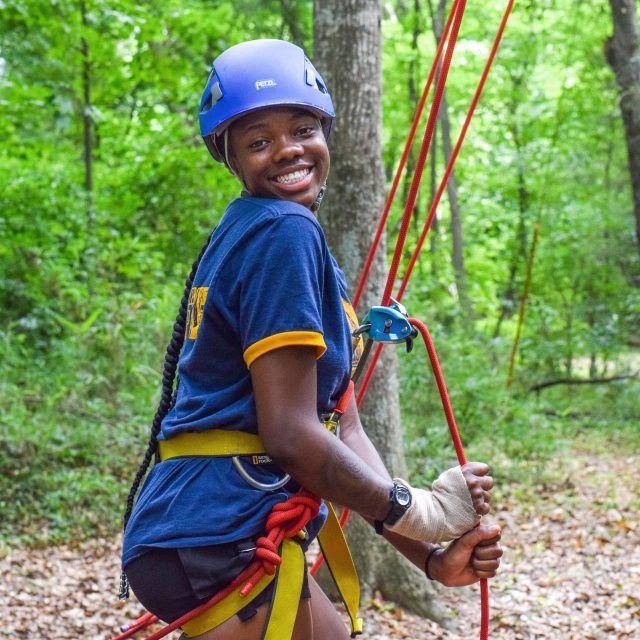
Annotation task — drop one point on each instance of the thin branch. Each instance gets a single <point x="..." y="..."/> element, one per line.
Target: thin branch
<point x="550" y="383"/>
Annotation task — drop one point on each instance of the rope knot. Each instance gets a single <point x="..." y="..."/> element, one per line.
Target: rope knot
<point x="286" y="520"/>
<point x="267" y="552"/>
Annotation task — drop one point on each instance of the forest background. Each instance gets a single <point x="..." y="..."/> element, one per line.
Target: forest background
<point x="107" y="193"/>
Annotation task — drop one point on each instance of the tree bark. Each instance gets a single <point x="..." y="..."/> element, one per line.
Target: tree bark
<point x="623" y="55"/>
<point x="347" y="52"/>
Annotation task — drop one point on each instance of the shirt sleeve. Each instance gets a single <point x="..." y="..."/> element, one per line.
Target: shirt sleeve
<point x="281" y="283"/>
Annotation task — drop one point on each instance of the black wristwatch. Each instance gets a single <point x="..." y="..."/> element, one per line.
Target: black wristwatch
<point x="400" y="499"/>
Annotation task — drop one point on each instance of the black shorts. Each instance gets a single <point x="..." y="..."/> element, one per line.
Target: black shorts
<point x="172" y="582"/>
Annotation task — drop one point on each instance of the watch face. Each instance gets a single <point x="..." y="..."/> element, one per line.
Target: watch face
<point x="403" y="497"/>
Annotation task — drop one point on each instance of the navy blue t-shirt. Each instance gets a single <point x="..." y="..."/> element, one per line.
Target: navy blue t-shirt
<point x="266" y="280"/>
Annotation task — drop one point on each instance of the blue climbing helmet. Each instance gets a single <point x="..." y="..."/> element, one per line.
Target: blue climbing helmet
<point x="258" y="74"/>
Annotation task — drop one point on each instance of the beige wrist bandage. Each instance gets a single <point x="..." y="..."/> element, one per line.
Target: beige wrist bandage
<point x="444" y="513"/>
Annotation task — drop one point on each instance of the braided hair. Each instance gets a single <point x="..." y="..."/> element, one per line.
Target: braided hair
<point x="167" y="399"/>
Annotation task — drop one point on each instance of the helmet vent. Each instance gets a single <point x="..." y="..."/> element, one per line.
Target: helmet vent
<point x="214" y="95"/>
<point x="311" y="78"/>
<point x="216" y="92"/>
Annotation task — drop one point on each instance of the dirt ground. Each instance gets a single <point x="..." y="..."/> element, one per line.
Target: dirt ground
<point x="571" y="571"/>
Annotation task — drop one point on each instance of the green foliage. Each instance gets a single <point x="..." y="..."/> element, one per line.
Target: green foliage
<point x="91" y="272"/>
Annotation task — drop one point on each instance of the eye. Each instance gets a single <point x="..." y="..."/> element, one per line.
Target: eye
<point x="257" y="145"/>
<point x="306" y="130"/>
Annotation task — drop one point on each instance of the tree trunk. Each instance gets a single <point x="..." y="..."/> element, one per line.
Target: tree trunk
<point x="457" y="255"/>
<point x="508" y="305"/>
<point x="347" y="50"/>
<point x="87" y="256"/>
<point x="623" y="55"/>
<point x="456" y="218"/>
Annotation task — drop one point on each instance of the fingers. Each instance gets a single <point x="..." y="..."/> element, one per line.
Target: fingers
<point x="485" y="559"/>
<point x="486" y="573"/>
<point x="490" y="541"/>
<point x="479" y="485"/>
<point x="476" y="473"/>
<point x="482" y="534"/>
<point x="488" y="567"/>
<point x="476" y="468"/>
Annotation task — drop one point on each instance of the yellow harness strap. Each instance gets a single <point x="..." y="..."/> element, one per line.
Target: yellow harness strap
<point x="225" y="609"/>
<point x="286" y="596"/>
<point x="219" y="442"/>
<point x="216" y="442"/>
<point x="338" y="558"/>
<point x="284" y="607"/>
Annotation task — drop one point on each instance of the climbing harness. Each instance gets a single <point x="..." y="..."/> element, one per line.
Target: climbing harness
<point x="278" y="557"/>
<point x="238" y="443"/>
<point x="387" y="323"/>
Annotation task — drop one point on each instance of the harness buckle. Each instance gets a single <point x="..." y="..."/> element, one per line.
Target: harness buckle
<point x="332" y="424"/>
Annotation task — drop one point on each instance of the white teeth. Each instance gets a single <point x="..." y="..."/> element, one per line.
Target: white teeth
<point x="290" y="178"/>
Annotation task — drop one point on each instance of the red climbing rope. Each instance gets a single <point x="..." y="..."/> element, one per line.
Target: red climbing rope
<point x="457" y="10"/>
<point x="424" y="150"/>
<point x="132" y="628"/>
<point x="456" y="150"/>
<point x="457" y="443"/>
<point x="442" y="389"/>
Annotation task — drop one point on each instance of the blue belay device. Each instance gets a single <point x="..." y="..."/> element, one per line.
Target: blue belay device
<point x="388" y="324"/>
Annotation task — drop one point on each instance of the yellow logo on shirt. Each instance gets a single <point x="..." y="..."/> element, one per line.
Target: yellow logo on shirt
<point x="197" y="298"/>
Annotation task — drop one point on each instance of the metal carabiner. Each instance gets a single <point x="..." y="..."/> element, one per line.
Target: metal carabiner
<point x="254" y="483"/>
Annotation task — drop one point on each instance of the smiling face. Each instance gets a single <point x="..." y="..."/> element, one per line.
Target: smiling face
<point x="280" y="152"/>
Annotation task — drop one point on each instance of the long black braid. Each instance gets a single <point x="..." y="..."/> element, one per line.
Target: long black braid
<point x="167" y="399"/>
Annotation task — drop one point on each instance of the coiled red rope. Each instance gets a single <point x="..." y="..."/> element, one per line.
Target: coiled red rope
<point x="285" y="521"/>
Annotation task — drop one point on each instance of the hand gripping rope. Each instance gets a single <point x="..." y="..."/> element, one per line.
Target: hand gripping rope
<point x="382" y="324"/>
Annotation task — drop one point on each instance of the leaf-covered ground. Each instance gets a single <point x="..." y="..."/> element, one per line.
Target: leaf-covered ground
<point x="571" y="571"/>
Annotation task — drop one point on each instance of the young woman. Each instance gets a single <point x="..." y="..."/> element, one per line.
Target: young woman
<point x="264" y="351"/>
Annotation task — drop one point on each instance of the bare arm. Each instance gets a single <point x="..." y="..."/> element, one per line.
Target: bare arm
<point x="284" y="383"/>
